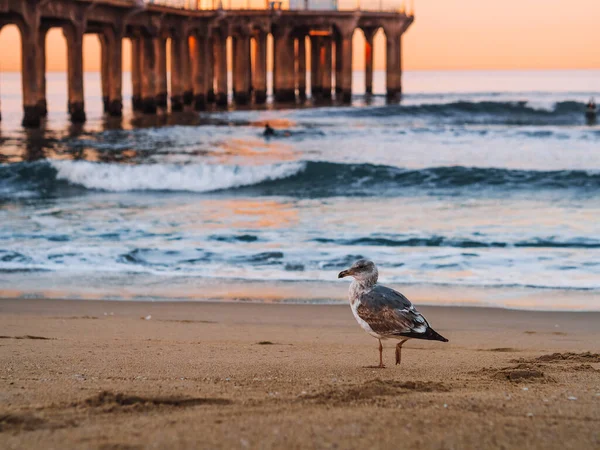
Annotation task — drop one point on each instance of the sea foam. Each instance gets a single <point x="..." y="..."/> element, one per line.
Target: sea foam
<point x="169" y="177"/>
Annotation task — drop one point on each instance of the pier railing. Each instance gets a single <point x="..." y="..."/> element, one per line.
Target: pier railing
<point x="290" y="5"/>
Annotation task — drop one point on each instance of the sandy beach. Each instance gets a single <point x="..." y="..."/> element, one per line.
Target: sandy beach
<point x="128" y="375"/>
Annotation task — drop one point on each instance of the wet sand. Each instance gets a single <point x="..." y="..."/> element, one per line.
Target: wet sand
<point x="97" y="374"/>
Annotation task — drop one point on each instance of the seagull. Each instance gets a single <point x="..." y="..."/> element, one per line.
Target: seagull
<point x="383" y="312"/>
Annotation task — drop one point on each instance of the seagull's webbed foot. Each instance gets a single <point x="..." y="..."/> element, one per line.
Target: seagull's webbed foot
<point x="381" y="364"/>
<point x="399" y="351"/>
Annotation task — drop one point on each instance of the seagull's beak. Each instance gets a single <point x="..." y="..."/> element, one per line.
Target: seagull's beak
<point x="344" y="273"/>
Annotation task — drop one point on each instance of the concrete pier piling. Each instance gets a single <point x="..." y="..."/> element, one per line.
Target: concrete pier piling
<point x="149" y="68"/>
<point x="241" y="78"/>
<point x="29" y="44"/>
<point x="345" y="84"/>
<point x="136" y="70"/>
<point x="369" y="35"/>
<point x="114" y="41"/>
<point x="176" y="69"/>
<point x="220" y="67"/>
<point x="199" y="56"/>
<point x="210" y="71"/>
<point x="326" y="65"/>
<point x="74" y="37"/>
<point x="162" y="89"/>
<point x="316" y="87"/>
<point x="284" y="89"/>
<point x="197" y="42"/>
<point x="301" y="66"/>
<point x="104" y="72"/>
<point x="393" y="76"/>
<point x="40" y="58"/>
<point x="186" y="73"/>
<point x="259" y="79"/>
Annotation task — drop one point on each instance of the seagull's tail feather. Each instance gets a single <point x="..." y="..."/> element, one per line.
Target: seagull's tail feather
<point x="433" y="335"/>
<point x="429" y="334"/>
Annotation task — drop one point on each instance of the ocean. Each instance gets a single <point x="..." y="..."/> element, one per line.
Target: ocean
<point x="479" y="188"/>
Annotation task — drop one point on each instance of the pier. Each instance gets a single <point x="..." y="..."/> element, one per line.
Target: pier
<point x="197" y="39"/>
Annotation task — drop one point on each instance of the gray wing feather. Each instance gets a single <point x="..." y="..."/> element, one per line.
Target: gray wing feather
<point x="388" y="312"/>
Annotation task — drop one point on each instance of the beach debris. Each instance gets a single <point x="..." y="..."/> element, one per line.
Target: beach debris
<point x="148" y="317"/>
<point x="588" y="357"/>
<point x="28" y="336"/>
<point x="265" y="343"/>
<point x="519" y="373"/>
<point x="529" y="414"/>
<point x="445" y="405"/>
<point x="27" y="422"/>
<point x="570" y="397"/>
<point x="110" y="401"/>
<point x="525" y="389"/>
<point x="372" y="390"/>
<point x="244" y="443"/>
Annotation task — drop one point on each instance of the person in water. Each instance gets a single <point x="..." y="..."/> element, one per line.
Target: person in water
<point x="268" y="130"/>
<point x="591" y="104"/>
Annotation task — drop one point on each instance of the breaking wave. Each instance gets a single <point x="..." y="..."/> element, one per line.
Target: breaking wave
<point x="298" y="179"/>
<point x="54" y="177"/>
<point x="517" y="112"/>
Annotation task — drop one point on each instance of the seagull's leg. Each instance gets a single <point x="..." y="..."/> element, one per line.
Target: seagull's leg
<point x="381" y="365"/>
<point x="399" y="350"/>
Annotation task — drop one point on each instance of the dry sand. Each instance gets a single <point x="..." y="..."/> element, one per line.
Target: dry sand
<point x="94" y="374"/>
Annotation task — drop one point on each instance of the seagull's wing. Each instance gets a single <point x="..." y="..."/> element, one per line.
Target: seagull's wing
<point x="389" y="313"/>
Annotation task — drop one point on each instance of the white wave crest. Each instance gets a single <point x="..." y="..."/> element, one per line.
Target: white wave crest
<point x="170" y="177"/>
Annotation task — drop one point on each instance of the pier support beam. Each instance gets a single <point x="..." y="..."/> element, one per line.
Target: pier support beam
<point x="326" y="66"/>
<point x="199" y="52"/>
<point x="40" y="58"/>
<point x="316" y="88"/>
<point x="241" y="80"/>
<point x="259" y="80"/>
<point x="176" y="67"/>
<point x="104" y="71"/>
<point x="338" y="66"/>
<point x="29" y="80"/>
<point x="210" y="71"/>
<point x="162" y="90"/>
<point x="369" y="35"/>
<point x="301" y="66"/>
<point x="283" y="71"/>
<point x="74" y="37"/>
<point x="149" y="65"/>
<point x="344" y="84"/>
<point x="114" y="45"/>
<point x="136" y="73"/>
<point x="220" y="48"/>
<point x="394" y="68"/>
<point x="186" y="73"/>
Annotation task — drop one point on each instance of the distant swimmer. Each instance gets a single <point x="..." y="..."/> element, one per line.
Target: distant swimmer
<point x="268" y="131"/>
<point x="591" y="104"/>
<point x="590" y="111"/>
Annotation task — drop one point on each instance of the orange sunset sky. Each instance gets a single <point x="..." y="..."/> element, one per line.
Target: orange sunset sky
<point x="447" y="34"/>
